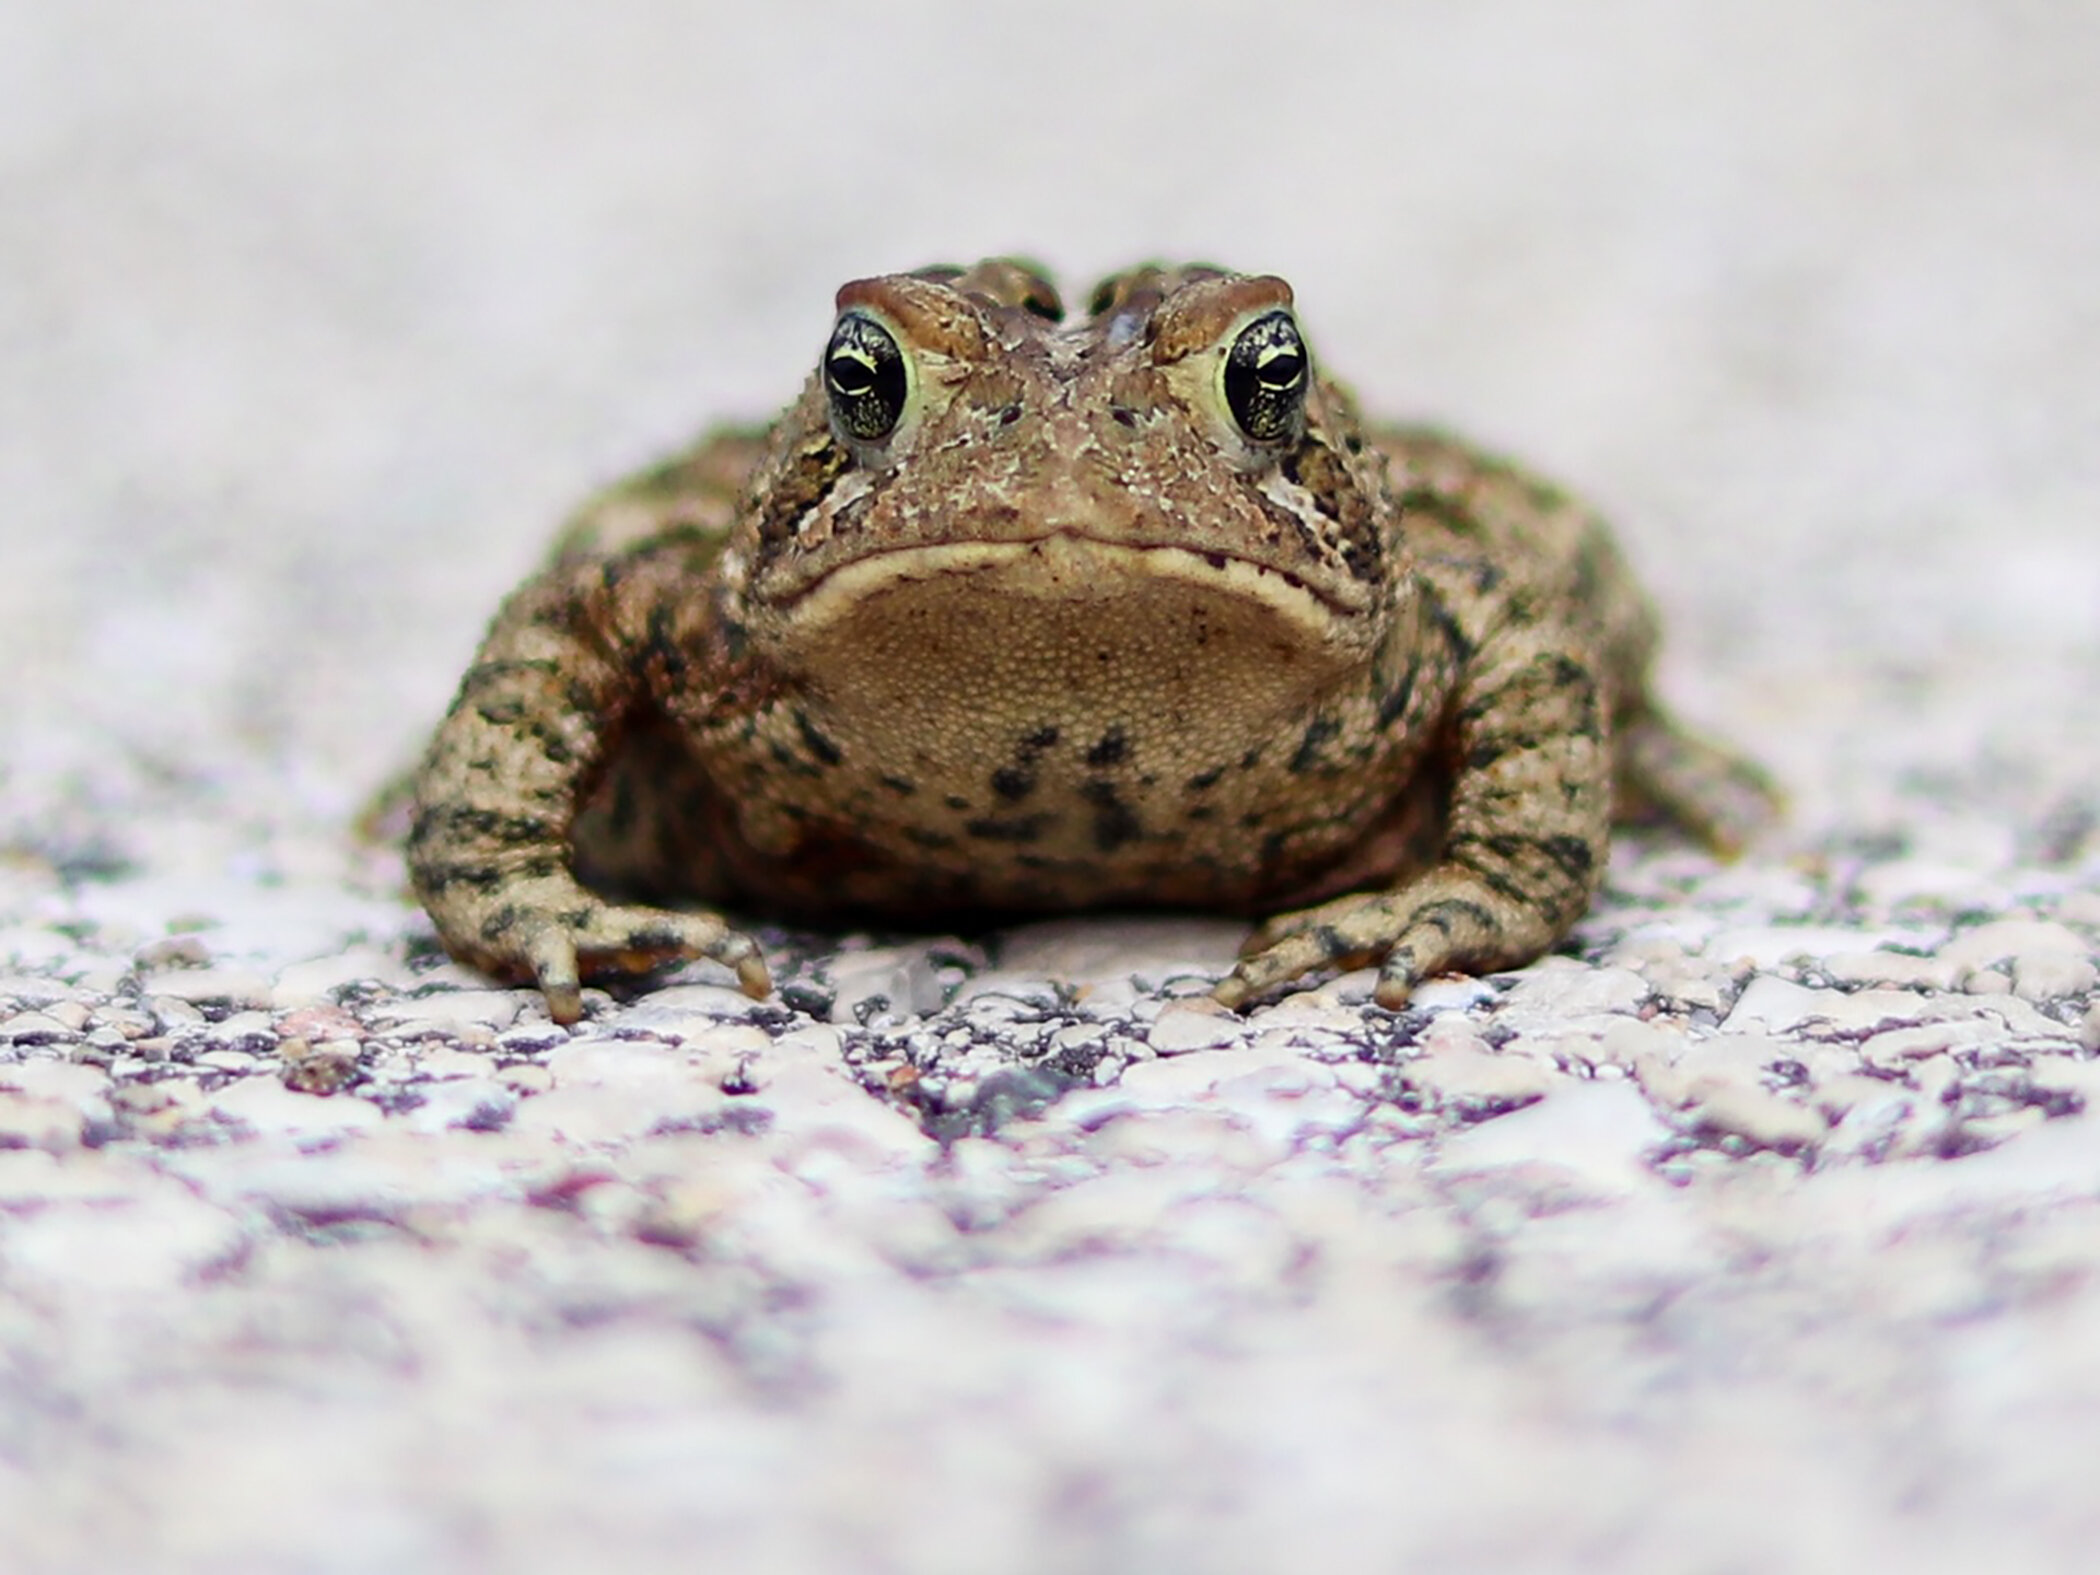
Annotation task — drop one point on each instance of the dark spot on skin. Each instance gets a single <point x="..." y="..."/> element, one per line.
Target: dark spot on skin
<point x="1009" y="415"/>
<point x="1111" y="749"/>
<point x="956" y="801"/>
<point x="1397" y="699"/>
<point x="1446" y="624"/>
<point x="1439" y="916"/>
<point x="920" y="837"/>
<point x="788" y="759"/>
<point x="1123" y="415"/>
<point x="1216" y="560"/>
<point x="899" y="786"/>
<point x="1506" y="886"/>
<point x="1332" y="946"/>
<point x="1025" y="829"/>
<point x="1115" y="823"/>
<point x="1552" y="674"/>
<point x="826" y="752"/>
<point x="1251" y="758"/>
<point x="465" y="822"/>
<point x="1492" y="748"/>
<point x="1013" y="783"/>
<point x="535" y="868"/>
<point x="552" y="745"/>
<point x="1317" y="735"/>
<point x="433" y="878"/>
<point x="1041" y="738"/>
<point x="1204" y="781"/>
<point x="1574" y="855"/>
<point x="502" y="922"/>
<point x="735" y="641"/>
<point x="1572" y="858"/>
<point x="660" y="651"/>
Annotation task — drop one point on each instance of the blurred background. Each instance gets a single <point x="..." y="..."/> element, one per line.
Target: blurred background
<point x="315" y="317"/>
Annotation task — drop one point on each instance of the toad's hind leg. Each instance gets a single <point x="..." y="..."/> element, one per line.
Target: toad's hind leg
<point x="1668" y="776"/>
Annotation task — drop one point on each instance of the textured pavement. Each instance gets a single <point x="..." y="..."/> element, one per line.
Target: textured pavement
<point x="1760" y="1230"/>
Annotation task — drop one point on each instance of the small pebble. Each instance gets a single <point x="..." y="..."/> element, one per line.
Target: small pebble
<point x="1733" y="1108"/>
<point x="1198" y="1023"/>
<point x="36" y="1028"/>
<point x="175" y="951"/>
<point x="2047" y="976"/>
<point x="322" y="1068"/>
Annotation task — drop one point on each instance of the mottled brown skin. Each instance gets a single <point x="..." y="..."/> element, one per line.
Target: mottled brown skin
<point x="1130" y="612"/>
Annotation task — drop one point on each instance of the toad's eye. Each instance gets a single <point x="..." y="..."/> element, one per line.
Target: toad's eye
<point x="1265" y="378"/>
<point x="865" y="375"/>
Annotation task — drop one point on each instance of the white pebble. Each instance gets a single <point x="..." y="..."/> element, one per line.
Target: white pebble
<point x="2007" y="939"/>
<point x="2047" y="976"/>
<point x="36" y="1028"/>
<point x="1195" y="1024"/>
<point x="1777" y="1004"/>
<point x="448" y="1011"/>
<point x="1746" y="1110"/>
<point x="267" y="1107"/>
<point x="1897" y="969"/>
<point x="314" y="982"/>
<point x="1473" y="1081"/>
<point x="1597" y="1134"/>
<point x="1556" y="988"/>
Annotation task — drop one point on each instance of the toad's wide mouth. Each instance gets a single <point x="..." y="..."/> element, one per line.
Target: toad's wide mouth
<point x="1065" y="567"/>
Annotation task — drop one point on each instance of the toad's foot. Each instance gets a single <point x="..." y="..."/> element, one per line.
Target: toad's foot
<point x="551" y="932"/>
<point x="1451" y="920"/>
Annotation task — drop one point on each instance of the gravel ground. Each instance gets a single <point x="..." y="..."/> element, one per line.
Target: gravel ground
<point x="1759" y="1230"/>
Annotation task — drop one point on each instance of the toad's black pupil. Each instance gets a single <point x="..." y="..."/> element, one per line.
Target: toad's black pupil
<point x="1280" y="368"/>
<point x="1265" y="378"/>
<point x="864" y="374"/>
<point x="851" y="374"/>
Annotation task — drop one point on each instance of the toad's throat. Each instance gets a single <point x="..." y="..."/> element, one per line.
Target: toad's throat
<point x="942" y="665"/>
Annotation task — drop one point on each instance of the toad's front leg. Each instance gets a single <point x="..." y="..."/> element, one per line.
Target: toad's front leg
<point x="490" y="852"/>
<point x="1529" y="827"/>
